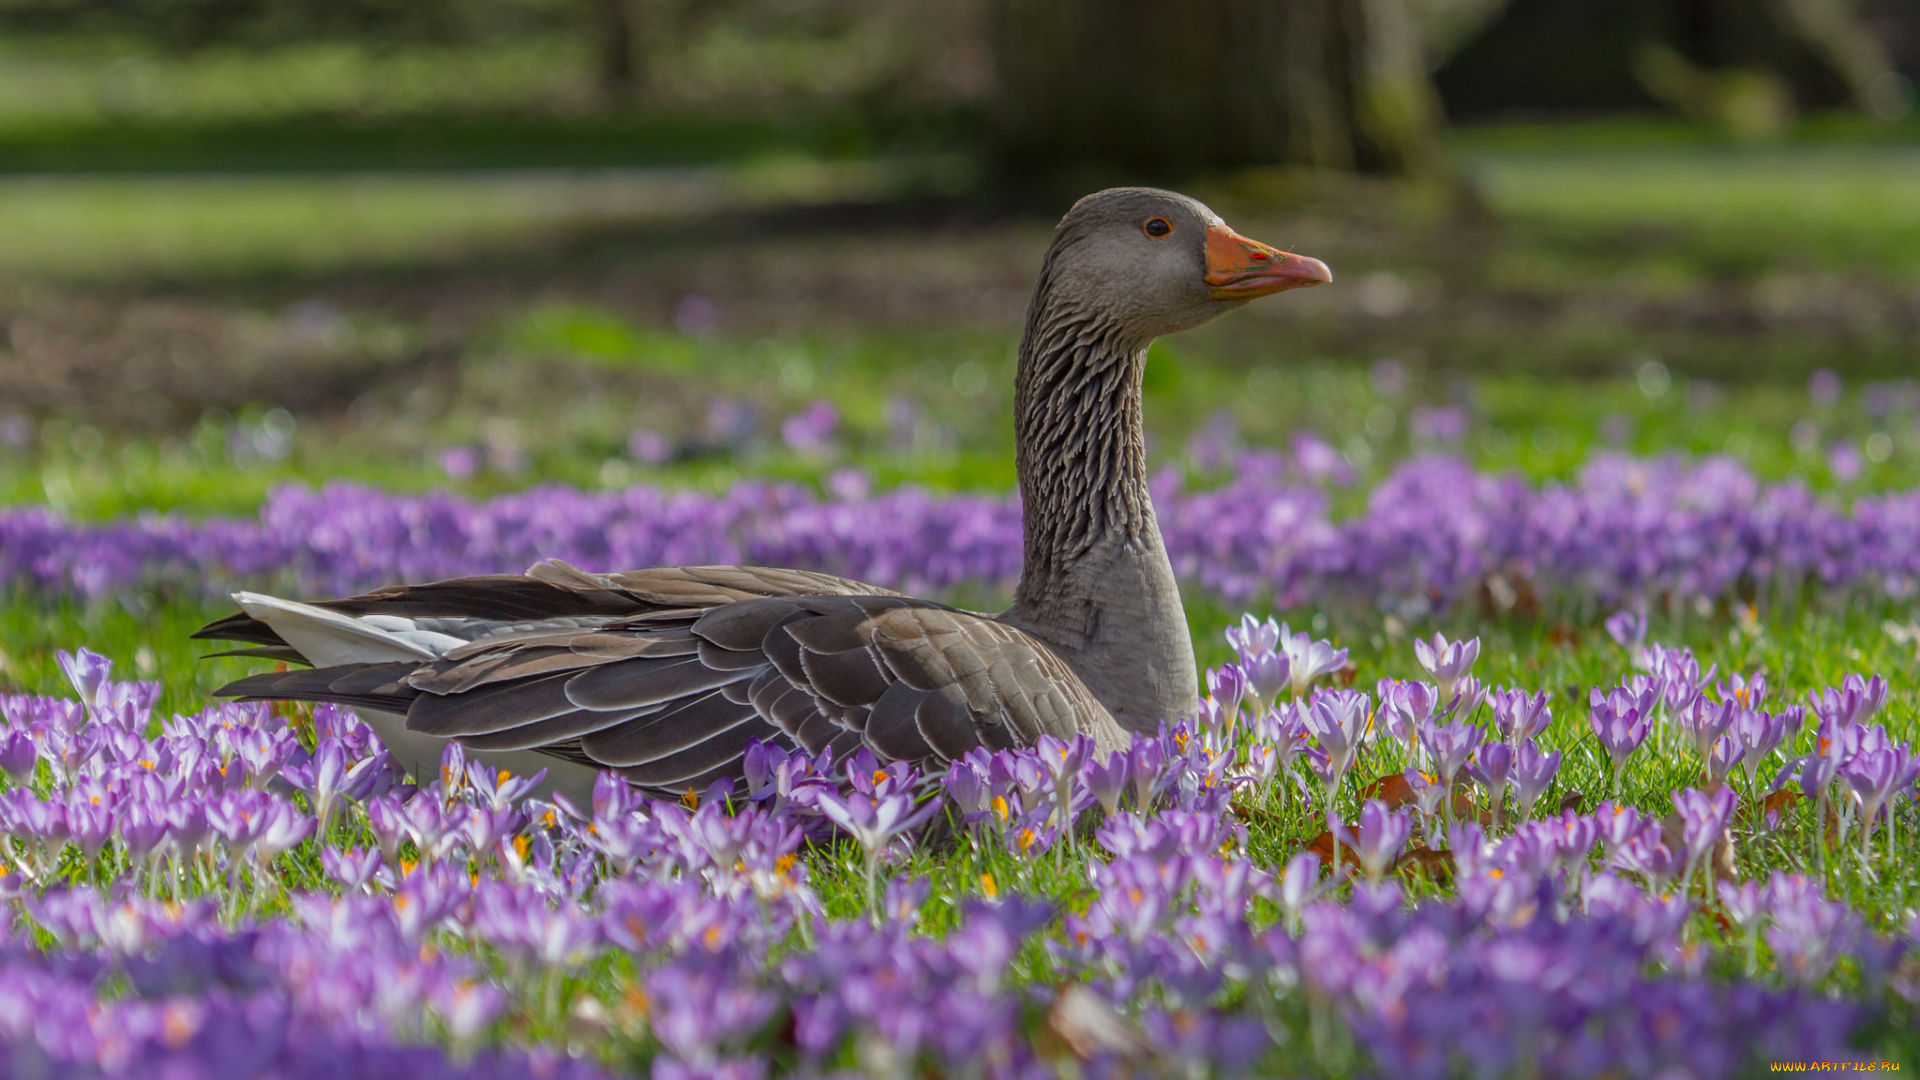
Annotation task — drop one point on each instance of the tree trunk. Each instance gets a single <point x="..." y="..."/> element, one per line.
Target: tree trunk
<point x="617" y="46"/>
<point x="1172" y="87"/>
<point x="1587" y="56"/>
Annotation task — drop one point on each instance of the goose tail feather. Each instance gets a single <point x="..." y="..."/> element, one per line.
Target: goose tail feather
<point x="328" y="638"/>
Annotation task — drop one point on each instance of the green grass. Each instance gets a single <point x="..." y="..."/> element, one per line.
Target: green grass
<point x="223" y="227"/>
<point x="1592" y="220"/>
<point x="91" y="103"/>
<point x="1797" y="650"/>
<point x="78" y="81"/>
<point x="610" y="376"/>
<point x="1729" y="211"/>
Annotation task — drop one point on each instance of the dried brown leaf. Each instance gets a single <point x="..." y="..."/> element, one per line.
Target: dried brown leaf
<point x="1391" y="789"/>
<point x="1322" y="846"/>
<point x="1087" y="1027"/>
<point x="1437" y="865"/>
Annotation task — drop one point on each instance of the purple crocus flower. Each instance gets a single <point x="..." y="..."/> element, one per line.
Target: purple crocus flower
<point x="433" y="830"/>
<point x="1743" y="902"/>
<point x="1427" y="793"/>
<point x="1760" y="734"/>
<point x="237" y="816"/>
<point x="1251" y="637"/>
<point x="1745" y="692"/>
<point x="1279" y="736"/>
<point x="89" y="824"/>
<point x="353" y="868"/>
<point x="1446" y="660"/>
<point x="142" y="828"/>
<point x="1519" y="715"/>
<point x="496" y="787"/>
<point x="187" y="827"/>
<point x="283" y="827"/>
<point x="1149" y="769"/>
<point x="874" y="823"/>
<point x="1267" y="674"/>
<point x="1809" y="932"/>
<point x="1299" y="885"/>
<point x="1308" y="659"/>
<point x="1449" y="746"/>
<point x="1853" y="702"/>
<point x="1870" y="775"/>
<point x="1490" y="767"/>
<point x="330" y="776"/>
<point x="812" y="429"/>
<point x="1405" y="707"/>
<point x="87" y="671"/>
<point x="1337" y="719"/>
<point x="1817" y="770"/>
<point x="1906" y="774"/>
<point x="1062" y="760"/>
<point x="1108" y="780"/>
<point x="1618" y="825"/>
<point x="1620" y="722"/>
<point x="1468" y="695"/>
<point x="1227" y="685"/>
<point x="1703" y="821"/>
<point x="388" y="824"/>
<point x="1704" y="722"/>
<point x="1723" y="759"/>
<point x="1628" y="628"/>
<point x="1383" y="833"/>
<point x="1533" y="774"/>
<point x="466" y="1007"/>
<point x="1648" y="855"/>
<point x="487" y="826"/>
<point x="263" y="753"/>
<point x="1215" y="722"/>
<point x="1674" y="679"/>
<point x="18" y="756"/>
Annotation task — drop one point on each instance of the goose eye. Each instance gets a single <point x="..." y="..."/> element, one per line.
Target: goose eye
<point x="1157" y="227"/>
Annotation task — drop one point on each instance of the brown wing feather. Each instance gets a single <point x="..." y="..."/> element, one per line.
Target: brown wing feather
<point x="564" y="728"/>
<point x="712" y="586"/>
<point x="628" y="684"/>
<point x="498" y="665"/>
<point x="742" y="626"/>
<point x="369" y="686"/>
<point x="665" y="734"/>
<point x="491" y="707"/>
<point x="666" y="674"/>
<point x="707" y="756"/>
<point x="891" y="729"/>
<point x="849" y="678"/>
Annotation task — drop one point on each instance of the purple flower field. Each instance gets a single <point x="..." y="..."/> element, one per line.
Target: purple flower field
<point x="1433" y="534"/>
<point x="242" y="893"/>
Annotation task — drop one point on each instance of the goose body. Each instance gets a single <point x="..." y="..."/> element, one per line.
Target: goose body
<point x="665" y="675"/>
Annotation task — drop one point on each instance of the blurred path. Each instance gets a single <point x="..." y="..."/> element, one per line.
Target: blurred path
<point x="118" y="227"/>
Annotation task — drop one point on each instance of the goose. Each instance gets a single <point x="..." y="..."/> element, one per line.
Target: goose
<point x="666" y="675"/>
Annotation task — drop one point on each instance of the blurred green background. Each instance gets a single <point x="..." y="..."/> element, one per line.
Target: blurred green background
<point x="489" y="243"/>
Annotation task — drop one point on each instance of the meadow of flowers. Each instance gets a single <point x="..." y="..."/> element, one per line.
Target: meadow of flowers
<point x="1683" y="873"/>
<point x="1615" y="860"/>
<point x="1433" y="533"/>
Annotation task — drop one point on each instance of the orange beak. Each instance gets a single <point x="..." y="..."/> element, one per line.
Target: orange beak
<point x="1241" y="269"/>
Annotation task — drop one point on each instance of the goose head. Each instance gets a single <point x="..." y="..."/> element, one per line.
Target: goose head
<point x="1146" y="263"/>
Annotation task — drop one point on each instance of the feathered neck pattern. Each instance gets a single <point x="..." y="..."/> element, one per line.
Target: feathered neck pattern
<point x="1079" y="440"/>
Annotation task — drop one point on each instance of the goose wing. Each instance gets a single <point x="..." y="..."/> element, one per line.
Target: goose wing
<point x="552" y="590"/>
<point x="671" y="692"/>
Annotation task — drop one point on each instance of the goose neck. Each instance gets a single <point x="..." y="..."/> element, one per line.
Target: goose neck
<point x="1096" y="586"/>
<point x="1081" y="451"/>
